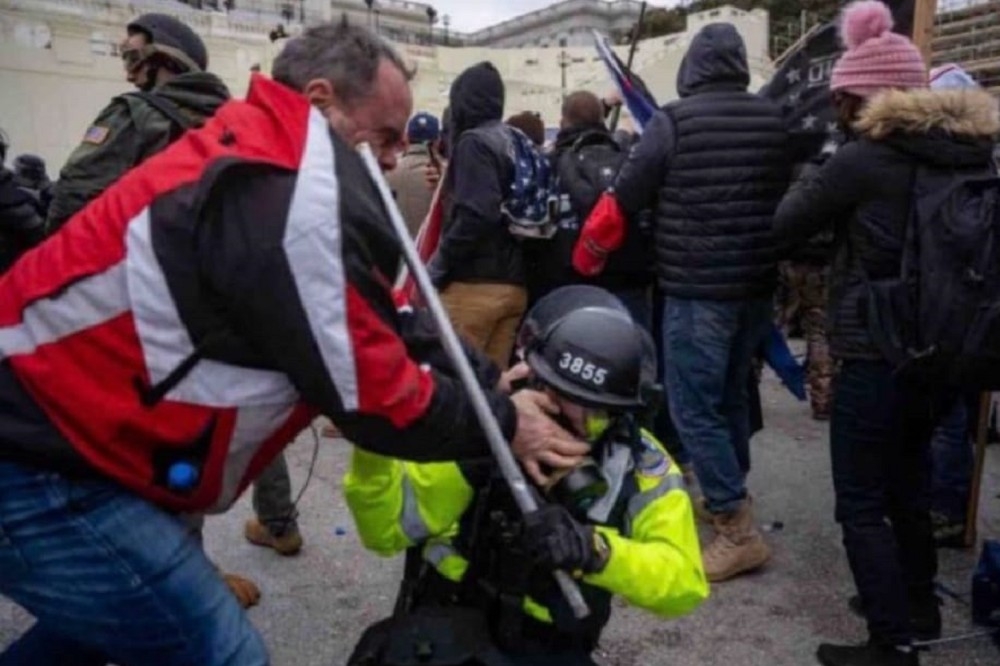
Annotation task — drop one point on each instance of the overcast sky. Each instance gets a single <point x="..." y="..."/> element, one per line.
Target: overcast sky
<point x="468" y="15"/>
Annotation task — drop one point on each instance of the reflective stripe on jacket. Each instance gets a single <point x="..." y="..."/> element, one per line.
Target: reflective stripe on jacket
<point x="655" y="560"/>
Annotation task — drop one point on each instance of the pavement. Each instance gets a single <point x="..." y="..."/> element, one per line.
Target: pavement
<point x="316" y="605"/>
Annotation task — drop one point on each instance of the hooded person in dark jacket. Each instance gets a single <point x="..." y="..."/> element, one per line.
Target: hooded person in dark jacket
<point x="713" y="165"/>
<point x="21" y="224"/>
<point x="881" y="427"/>
<point x="167" y="62"/>
<point x="478" y="266"/>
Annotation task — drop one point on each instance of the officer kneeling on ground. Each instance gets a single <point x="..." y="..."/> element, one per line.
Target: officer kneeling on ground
<point x="479" y="587"/>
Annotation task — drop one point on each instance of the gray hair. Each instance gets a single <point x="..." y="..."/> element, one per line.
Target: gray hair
<point x="347" y="56"/>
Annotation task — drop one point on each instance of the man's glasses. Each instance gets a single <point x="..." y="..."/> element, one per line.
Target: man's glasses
<point x="133" y="58"/>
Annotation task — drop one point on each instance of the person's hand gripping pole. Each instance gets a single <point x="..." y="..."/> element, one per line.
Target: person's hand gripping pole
<point x="500" y="447"/>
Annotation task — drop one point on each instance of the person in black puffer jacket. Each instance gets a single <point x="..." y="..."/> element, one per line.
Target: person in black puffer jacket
<point x="715" y="165"/>
<point x="478" y="266"/>
<point x="881" y="427"/>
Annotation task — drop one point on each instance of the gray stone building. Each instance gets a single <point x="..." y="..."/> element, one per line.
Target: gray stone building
<point x="569" y="20"/>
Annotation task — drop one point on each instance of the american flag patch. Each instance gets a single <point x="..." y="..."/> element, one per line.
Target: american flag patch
<point x="95" y="134"/>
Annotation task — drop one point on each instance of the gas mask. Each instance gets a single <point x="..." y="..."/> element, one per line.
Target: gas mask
<point x="578" y="489"/>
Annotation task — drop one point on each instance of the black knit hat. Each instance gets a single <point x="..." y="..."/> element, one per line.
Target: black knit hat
<point x="168" y="31"/>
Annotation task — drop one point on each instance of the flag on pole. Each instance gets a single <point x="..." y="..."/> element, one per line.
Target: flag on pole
<point x="427" y="241"/>
<point x="635" y="96"/>
<point x="801" y="84"/>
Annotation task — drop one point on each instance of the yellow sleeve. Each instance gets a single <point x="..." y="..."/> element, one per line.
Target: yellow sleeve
<point x="658" y="565"/>
<point x="398" y="504"/>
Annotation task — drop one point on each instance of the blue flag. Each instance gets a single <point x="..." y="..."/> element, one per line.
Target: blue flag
<point x="635" y="96"/>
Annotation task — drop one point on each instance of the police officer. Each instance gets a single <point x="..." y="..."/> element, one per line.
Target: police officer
<point x="167" y="63"/>
<point x="621" y="522"/>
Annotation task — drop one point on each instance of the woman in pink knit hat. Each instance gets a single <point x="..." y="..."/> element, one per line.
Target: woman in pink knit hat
<point x="880" y="427"/>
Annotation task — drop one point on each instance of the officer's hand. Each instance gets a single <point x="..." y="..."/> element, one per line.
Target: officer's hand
<point x="555" y="540"/>
<point x="541" y="441"/>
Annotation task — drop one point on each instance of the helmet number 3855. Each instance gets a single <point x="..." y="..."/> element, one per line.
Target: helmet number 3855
<point x="586" y="370"/>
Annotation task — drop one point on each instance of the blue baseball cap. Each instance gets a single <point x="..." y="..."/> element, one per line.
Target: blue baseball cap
<point x="423" y="127"/>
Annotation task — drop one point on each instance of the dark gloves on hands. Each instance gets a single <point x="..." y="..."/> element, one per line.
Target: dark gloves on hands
<point x="555" y="540"/>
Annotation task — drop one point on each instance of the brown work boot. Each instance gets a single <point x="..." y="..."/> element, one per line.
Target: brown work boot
<point x="244" y="589"/>
<point x="738" y="546"/>
<point x="288" y="543"/>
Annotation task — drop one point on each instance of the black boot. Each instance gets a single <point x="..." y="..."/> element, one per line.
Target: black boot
<point x="925" y="616"/>
<point x="869" y="654"/>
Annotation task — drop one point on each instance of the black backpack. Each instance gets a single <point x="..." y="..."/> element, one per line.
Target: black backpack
<point x="939" y="321"/>
<point x="588" y="168"/>
<point x="583" y="171"/>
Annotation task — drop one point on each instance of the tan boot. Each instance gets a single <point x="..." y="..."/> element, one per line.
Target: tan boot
<point x="287" y="544"/>
<point x="244" y="589"/>
<point x="738" y="546"/>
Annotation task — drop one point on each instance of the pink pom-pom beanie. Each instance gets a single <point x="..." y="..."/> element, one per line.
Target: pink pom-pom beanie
<point x="876" y="58"/>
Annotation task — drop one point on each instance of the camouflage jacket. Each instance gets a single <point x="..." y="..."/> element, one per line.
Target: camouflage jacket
<point x="129" y="130"/>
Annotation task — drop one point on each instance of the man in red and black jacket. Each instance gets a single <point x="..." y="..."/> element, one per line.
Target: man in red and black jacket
<point x="161" y="349"/>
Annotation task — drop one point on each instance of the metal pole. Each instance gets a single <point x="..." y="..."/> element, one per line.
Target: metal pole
<point x="498" y="443"/>
<point x="636" y="31"/>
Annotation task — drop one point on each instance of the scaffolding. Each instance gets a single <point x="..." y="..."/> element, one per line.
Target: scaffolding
<point x="967" y="32"/>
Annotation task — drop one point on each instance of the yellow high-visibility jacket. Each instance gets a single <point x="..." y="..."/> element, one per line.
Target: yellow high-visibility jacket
<point x="655" y="561"/>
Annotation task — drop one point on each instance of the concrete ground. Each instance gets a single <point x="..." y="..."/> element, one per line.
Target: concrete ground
<point x="316" y="605"/>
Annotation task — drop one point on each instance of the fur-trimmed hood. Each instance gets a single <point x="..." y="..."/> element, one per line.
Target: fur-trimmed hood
<point x="968" y="113"/>
<point x="953" y="128"/>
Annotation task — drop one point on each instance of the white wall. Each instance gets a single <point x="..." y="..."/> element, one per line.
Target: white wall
<point x="49" y="96"/>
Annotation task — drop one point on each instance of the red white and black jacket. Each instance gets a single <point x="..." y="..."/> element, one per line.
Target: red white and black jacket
<point x="205" y="307"/>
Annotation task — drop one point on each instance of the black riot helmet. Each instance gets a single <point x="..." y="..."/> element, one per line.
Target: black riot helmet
<point x="172" y="38"/>
<point x="557" y="304"/>
<point x="597" y="357"/>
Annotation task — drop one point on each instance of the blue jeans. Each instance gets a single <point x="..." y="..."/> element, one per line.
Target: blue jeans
<point x="951" y="464"/>
<point x="880" y="433"/>
<point x="111" y="578"/>
<point x="708" y="352"/>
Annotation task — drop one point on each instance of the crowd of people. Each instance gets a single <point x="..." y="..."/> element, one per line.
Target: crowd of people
<point x="202" y="305"/>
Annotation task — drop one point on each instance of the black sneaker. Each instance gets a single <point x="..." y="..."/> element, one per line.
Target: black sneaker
<point x="869" y="654"/>
<point x="925" y="616"/>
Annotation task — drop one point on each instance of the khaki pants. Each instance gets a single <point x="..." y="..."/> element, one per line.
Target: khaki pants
<point x="486" y="315"/>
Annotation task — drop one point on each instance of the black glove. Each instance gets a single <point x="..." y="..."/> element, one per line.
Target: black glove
<point x="555" y="540"/>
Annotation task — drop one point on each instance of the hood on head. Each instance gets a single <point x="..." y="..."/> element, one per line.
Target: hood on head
<point x="476" y="98"/>
<point x="717" y="58"/>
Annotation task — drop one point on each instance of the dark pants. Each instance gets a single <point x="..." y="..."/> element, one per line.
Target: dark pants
<point x="951" y="464"/>
<point x="272" y="497"/>
<point x="663" y="425"/>
<point x="880" y="434"/>
<point x="111" y="578"/>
